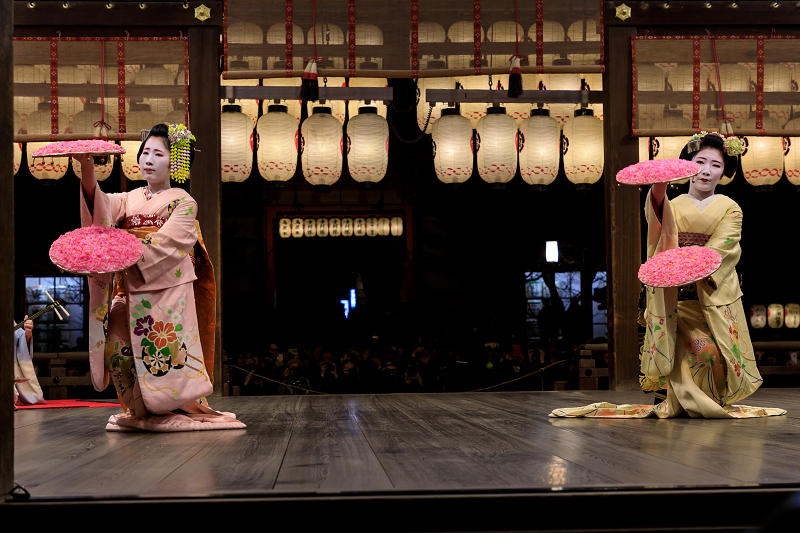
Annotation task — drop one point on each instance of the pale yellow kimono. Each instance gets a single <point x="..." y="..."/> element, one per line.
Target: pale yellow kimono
<point x="698" y="346"/>
<point x="144" y="331"/>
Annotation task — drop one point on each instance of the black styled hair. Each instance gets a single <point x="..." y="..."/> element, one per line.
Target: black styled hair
<point x="717" y="143"/>
<point x="161" y="131"/>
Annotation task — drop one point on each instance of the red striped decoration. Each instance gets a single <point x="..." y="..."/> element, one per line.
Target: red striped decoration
<point x="415" y="38"/>
<point x="121" y="84"/>
<point x="696" y="84"/>
<point x="476" y="10"/>
<point x="351" y="37"/>
<point x="539" y="36"/>
<point x="53" y="86"/>
<point x="290" y="38"/>
<point x="760" y="83"/>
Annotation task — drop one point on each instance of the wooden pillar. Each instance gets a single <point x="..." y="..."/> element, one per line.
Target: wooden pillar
<point x="623" y="212"/>
<point x="204" y="121"/>
<point x="6" y="249"/>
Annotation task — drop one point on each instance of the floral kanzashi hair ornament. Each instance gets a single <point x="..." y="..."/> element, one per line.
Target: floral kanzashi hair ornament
<point x="180" y="145"/>
<point x="733" y="145"/>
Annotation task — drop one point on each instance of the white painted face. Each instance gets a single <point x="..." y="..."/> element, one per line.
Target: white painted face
<point x="712" y="166"/>
<point x="154" y="163"/>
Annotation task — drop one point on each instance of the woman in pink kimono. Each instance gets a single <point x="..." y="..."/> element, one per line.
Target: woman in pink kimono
<point x="144" y="328"/>
<point x="697" y="345"/>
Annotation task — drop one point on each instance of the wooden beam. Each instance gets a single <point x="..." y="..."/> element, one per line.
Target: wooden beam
<point x="6" y="249"/>
<point x="205" y="123"/>
<point x="623" y="214"/>
<point x="123" y="13"/>
<point x="695" y="13"/>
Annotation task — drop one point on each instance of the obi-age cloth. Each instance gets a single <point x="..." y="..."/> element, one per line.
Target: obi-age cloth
<point x="151" y="327"/>
<point x="697" y="344"/>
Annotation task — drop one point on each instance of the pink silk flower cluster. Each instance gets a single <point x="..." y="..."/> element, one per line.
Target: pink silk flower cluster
<point x="657" y="171"/>
<point x="679" y="266"/>
<point x="95" y="250"/>
<point x="93" y="146"/>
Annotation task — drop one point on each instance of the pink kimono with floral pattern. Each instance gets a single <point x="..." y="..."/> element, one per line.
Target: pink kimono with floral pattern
<point x="144" y="331"/>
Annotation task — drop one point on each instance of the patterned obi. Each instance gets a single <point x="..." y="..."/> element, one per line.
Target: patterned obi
<point x="137" y="221"/>
<point x="692" y="239"/>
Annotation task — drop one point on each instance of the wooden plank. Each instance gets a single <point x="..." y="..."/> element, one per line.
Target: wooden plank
<point x="6" y="249"/>
<point x="623" y="215"/>
<point x="328" y="452"/>
<point x="691" y="13"/>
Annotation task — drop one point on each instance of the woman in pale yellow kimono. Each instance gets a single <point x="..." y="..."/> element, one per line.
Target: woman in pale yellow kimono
<point x="144" y="327"/>
<point x="697" y="344"/>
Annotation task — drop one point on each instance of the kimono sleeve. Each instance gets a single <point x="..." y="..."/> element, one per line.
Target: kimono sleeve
<point x="662" y="233"/>
<point x="169" y="247"/>
<point x="722" y="287"/>
<point x="109" y="209"/>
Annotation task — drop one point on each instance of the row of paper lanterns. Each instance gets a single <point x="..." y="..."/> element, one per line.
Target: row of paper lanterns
<point x="734" y="77"/>
<point x="764" y="160"/>
<point x="340" y="227"/>
<point x="427" y="32"/>
<point x="535" y="147"/>
<point x="775" y="316"/>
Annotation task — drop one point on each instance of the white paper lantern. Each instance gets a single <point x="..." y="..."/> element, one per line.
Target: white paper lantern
<point x="758" y="316"/>
<point x="504" y="31"/>
<point x="496" y="147"/>
<point x="338" y="107"/>
<point x="431" y="32"/>
<point x="277" y="145"/>
<point x="245" y="33"/>
<point x="452" y="147"/>
<point x="584" y="31"/>
<point x="276" y="34"/>
<point x="249" y="106"/>
<point x="762" y="159"/>
<point x="84" y="122"/>
<point x="26" y="105"/>
<point x="322" y="227"/>
<point x="70" y="106"/>
<point x="582" y="149"/>
<point x="462" y="32"/>
<point x="327" y="34"/>
<point x="310" y="227"/>
<point x="791" y="154"/>
<point x="561" y="82"/>
<point x="335" y="227"/>
<point x="539" y="153"/>
<point x="644" y="148"/>
<point x="156" y="75"/>
<point x="38" y="122"/>
<point x="298" y="228"/>
<point x="368" y="35"/>
<point x="396" y="226"/>
<point x="777" y="78"/>
<point x="347" y="227"/>
<point x="681" y="78"/>
<point x="139" y="118"/>
<point x="372" y="227"/>
<point x="293" y="107"/>
<point x="359" y="227"/>
<point x="321" y="149"/>
<point x="735" y="78"/>
<point x="353" y="106"/>
<point x="424" y="107"/>
<point x="649" y="78"/>
<point x="285" y="228"/>
<point x="594" y="82"/>
<point x="384" y="226"/>
<point x="775" y="316"/>
<point x="367" y="147"/>
<point x="792" y="315"/>
<point x="237" y="144"/>
<point x="552" y="32"/>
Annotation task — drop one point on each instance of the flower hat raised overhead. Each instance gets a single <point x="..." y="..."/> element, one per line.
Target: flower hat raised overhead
<point x="657" y="171"/>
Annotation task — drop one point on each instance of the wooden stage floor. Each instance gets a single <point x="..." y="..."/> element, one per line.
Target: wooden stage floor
<point x="472" y="461"/>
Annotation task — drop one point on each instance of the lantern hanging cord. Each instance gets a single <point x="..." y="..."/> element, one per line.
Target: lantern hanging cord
<point x="724" y="118"/>
<point x="422" y="134"/>
<point x="102" y="122"/>
<point x="516" y="36"/>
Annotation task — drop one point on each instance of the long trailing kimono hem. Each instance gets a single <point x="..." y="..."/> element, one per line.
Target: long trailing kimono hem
<point x="696" y="343"/>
